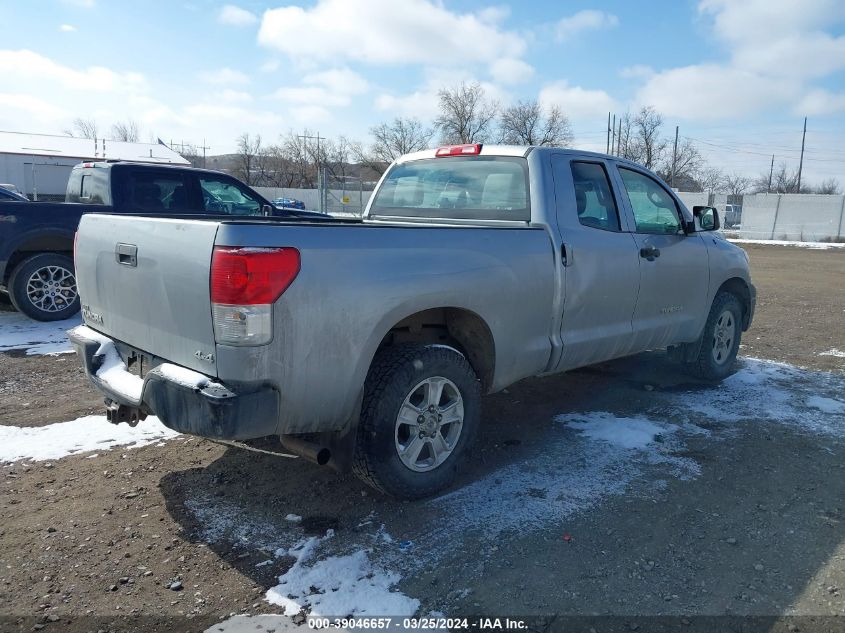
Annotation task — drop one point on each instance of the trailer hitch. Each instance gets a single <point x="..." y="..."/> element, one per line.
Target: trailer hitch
<point x="117" y="413"/>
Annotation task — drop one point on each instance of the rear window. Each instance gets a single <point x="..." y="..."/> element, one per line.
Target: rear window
<point x="89" y="186"/>
<point x="460" y="187"/>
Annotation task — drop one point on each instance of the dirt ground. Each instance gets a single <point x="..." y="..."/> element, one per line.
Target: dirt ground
<point x="736" y="519"/>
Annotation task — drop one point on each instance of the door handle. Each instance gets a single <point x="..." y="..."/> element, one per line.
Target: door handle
<point x="566" y="254"/>
<point x="126" y="254"/>
<point x="649" y="253"/>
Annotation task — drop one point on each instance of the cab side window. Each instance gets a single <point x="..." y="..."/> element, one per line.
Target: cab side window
<point x="158" y="192"/>
<point x="224" y="197"/>
<point x="593" y="197"/>
<point x="655" y="210"/>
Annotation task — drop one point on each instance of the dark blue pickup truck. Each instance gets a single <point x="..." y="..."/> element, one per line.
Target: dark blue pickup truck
<point x="36" y="239"/>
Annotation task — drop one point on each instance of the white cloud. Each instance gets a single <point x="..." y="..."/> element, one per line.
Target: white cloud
<point x="511" y="71"/>
<point x="413" y="31"/>
<point x="321" y="90"/>
<point x="67" y="28"/>
<point x="39" y="109"/>
<point x="233" y="96"/>
<point x="586" y="20"/>
<point x="342" y="80"/>
<point x="421" y="104"/>
<point x="712" y="91"/>
<point x="270" y="66"/>
<point x="773" y="54"/>
<point x="235" y="16"/>
<point x="26" y="66"/>
<point x="577" y="102"/>
<point x="821" y="102"/>
<point x="224" y="76"/>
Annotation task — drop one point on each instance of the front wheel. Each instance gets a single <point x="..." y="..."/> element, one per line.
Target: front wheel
<point x="43" y="287"/>
<point x="720" y="339"/>
<point x="420" y="413"/>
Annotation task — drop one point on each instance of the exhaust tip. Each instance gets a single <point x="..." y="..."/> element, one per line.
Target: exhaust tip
<point x="323" y="456"/>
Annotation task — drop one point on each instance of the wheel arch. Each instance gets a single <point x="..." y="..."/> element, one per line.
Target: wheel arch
<point x="36" y="242"/>
<point x="738" y="287"/>
<point x="461" y="328"/>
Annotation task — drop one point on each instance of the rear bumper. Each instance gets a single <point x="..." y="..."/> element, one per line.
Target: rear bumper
<point x="184" y="400"/>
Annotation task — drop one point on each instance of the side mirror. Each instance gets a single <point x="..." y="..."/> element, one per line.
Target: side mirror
<point x="267" y="210"/>
<point x="708" y="218"/>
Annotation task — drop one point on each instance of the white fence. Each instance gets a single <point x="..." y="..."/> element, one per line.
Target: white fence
<point x="791" y="216"/>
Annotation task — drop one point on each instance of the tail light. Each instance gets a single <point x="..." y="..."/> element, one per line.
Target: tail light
<point x="245" y="282"/>
<point x="458" y="150"/>
<point x="75" y="237"/>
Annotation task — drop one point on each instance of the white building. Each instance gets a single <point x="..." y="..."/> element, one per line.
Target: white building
<point x="39" y="164"/>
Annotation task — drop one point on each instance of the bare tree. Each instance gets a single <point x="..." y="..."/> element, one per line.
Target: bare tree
<point x="525" y="123"/>
<point x="685" y="164"/>
<point x="402" y="136"/>
<point x="783" y="180"/>
<point x="711" y="179"/>
<point x="648" y="144"/>
<point x="466" y="114"/>
<point x="83" y="128"/>
<point x="829" y="187"/>
<point x="126" y="131"/>
<point x="736" y="184"/>
<point x="247" y="161"/>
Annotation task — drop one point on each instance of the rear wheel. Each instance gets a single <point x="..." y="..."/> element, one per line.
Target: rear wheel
<point x="43" y="287"/>
<point x="720" y="339"/>
<point x="420" y="414"/>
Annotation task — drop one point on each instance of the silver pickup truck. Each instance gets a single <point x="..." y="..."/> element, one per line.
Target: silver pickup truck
<point x="367" y="345"/>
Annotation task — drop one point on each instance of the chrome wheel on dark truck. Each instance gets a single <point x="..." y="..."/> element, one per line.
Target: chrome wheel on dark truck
<point x="43" y="287"/>
<point x="420" y="413"/>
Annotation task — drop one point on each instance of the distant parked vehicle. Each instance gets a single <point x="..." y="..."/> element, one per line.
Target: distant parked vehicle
<point x="289" y="203"/>
<point x="36" y="239"/>
<point x="733" y="215"/>
<point x="11" y="195"/>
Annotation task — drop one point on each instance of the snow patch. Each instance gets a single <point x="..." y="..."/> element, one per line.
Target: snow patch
<point x="833" y="352"/>
<point x="19" y="332"/>
<point x="566" y="473"/>
<point x="627" y="433"/>
<point x="338" y="585"/>
<point x="814" y="245"/>
<point x="112" y="371"/>
<point x="827" y="405"/>
<point x="768" y="391"/>
<point x="184" y="376"/>
<point x="89" y="433"/>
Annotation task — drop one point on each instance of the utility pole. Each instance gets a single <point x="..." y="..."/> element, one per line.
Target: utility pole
<point x="801" y="162"/>
<point x="771" y="171"/>
<point x="321" y="189"/>
<point x="613" y="137"/>
<point x="674" y="158"/>
<point x="619" y="139"/>
<point x="607" y="150"/>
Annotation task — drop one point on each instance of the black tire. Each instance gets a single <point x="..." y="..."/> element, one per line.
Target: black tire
<point x="392" y="378"/>
<point x="62" y="305"/>
<point x="706" y="366"/>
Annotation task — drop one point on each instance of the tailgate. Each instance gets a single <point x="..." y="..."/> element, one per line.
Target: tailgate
<point x="145" y="281"/>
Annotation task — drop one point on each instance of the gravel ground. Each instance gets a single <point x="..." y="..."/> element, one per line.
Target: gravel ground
<point x="733" y="505"/>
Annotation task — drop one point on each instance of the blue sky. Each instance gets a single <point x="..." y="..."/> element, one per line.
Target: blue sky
<point x="736" y="76"/>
